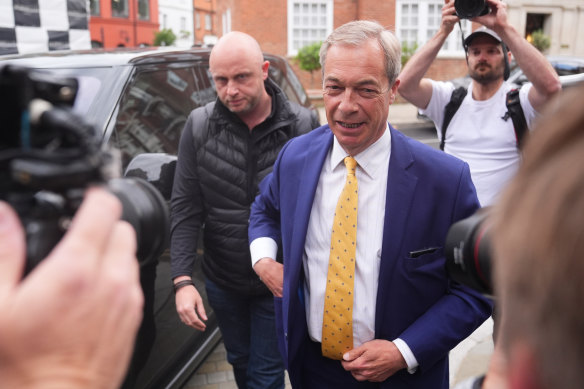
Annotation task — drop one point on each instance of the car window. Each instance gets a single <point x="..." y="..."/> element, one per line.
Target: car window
<point x="566" y="68"/>
<point x="563" y="67"/>
<point x="296" y="85"/>
<point x="99" y="88"/>
<point x="289" y="83"/>
<point x="155" y="106"/>
<point x="88" y="90"/>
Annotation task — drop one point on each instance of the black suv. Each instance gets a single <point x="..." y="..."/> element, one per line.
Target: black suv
<point x="139" y="100"/>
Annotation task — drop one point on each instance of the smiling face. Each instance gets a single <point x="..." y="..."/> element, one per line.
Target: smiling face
<point x="357" y="94"/>
<point x="486" y="62"/>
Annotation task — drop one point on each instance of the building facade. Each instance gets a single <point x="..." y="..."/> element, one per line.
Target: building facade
<point x="207" y="26"/>
<point x="561" y="20"/>
<point x="284" y="26"/>
<point x="123" y="23"/>
<point x="177" y="15"/>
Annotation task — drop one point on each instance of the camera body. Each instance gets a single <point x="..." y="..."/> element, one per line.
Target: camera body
<point x="468" y="9"/>
<point x="48" y="158"/>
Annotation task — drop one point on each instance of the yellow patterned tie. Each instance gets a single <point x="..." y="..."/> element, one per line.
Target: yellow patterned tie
<point x="337" y="324"/>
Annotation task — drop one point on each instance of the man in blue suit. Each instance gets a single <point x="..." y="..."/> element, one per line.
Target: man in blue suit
<point x="407" y="313"/>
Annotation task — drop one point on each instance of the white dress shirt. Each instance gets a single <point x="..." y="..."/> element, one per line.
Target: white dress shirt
<point x="371" y="172"/>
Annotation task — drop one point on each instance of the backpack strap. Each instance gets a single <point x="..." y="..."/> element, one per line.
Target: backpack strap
<point x="515" y="111"/>
<point x="455" y="101"/>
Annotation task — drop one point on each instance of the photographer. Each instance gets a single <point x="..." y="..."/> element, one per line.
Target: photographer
<point x="72" y="321"/>
<point x="480" y="132"/>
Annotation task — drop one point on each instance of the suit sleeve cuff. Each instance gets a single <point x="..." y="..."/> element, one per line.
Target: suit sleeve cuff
<point x="262" y="248"/>
<point x="408" y="355"/>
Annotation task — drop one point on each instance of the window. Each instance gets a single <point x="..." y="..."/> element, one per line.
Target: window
<point x="144" y="9"/>
<point x="287" y="81"/>
<point x="120" y="8"/>
<point x="197" y="21"/>
<point x="226" y="21"/>
<point x="208" y="22"/>
<point x="418" y="20"/>
<point x="164" y="21"/>
<point x="94" y="7"/>
<point x="155" y="107"/>
<point x="309" y="21"/>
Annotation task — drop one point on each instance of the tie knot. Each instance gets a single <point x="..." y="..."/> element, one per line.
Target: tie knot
<point x="351" y="164"/>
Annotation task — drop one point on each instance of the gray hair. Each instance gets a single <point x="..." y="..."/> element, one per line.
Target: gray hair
<point x="356" y="33"/>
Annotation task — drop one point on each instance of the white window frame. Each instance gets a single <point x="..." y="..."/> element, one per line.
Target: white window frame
<point x="208" y="22"/>
<point x="428" y="24"/>
<point x="226" y="21"/>
<point x="309" y="27"/>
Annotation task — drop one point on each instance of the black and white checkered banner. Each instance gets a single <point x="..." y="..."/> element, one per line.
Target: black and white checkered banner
<point x="33" y="26"/>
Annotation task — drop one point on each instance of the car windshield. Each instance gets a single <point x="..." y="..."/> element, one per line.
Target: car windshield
<point x="95" y="96"/>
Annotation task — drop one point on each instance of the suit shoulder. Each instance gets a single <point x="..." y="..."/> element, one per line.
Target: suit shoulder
<point x="433" y="158"/>
<point x="319" y="134"/>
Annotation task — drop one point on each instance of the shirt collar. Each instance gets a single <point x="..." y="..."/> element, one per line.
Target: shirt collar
<point x="369" y="160"/>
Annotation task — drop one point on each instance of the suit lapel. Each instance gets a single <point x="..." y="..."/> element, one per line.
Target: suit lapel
<point x="310" y="162"/>
<point x="311" y="168"/>
<point x="401" y="185"/>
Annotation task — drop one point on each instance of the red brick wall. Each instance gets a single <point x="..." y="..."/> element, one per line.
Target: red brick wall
<point x="380" y="11"/>
<point x="344" y="11"/>
<point x="128" y="32"/>
<point x="267" y="22"/>
<point x="444" y="69"/>
<point x="447" y="68"/>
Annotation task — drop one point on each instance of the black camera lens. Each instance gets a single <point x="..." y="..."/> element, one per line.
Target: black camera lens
<point x="468" y="9"/>
<point x="468" y="253"/>
<point x="45" y="176"/>
<point x="146" y="210"/>
<point x="46" y="217"/>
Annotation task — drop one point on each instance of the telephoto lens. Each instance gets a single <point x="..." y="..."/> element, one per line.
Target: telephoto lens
<point x="468" y="253"/>
<point x="468" y="9"/>
<point x="146" y="210"/>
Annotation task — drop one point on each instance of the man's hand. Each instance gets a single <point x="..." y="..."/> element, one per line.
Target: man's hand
<point x="496" y="19"/>
<point x="449" y="17"/>
<point x="189" y="306"/>
<point x="272" y="274"/>
<point x="374" y="361"/>
<point x="71" y="323"/>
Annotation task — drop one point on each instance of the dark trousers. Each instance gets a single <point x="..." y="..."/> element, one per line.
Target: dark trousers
<point x="248" y="328"/>
<point x="324" y="373"/>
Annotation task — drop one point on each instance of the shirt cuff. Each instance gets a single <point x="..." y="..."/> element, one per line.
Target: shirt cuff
<point x="408" y="355"/>
<point x="262" y="248"/>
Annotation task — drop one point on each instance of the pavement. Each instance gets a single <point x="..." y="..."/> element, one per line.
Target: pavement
<point x="470" y="358"/>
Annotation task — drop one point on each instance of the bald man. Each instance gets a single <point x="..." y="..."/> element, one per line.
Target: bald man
<point x="227" y="147"/>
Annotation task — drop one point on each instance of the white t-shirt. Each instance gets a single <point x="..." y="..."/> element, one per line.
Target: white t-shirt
<point x="478" y="135"/>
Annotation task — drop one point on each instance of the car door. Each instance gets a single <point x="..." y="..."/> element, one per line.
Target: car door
<point x="151" y="115"/>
